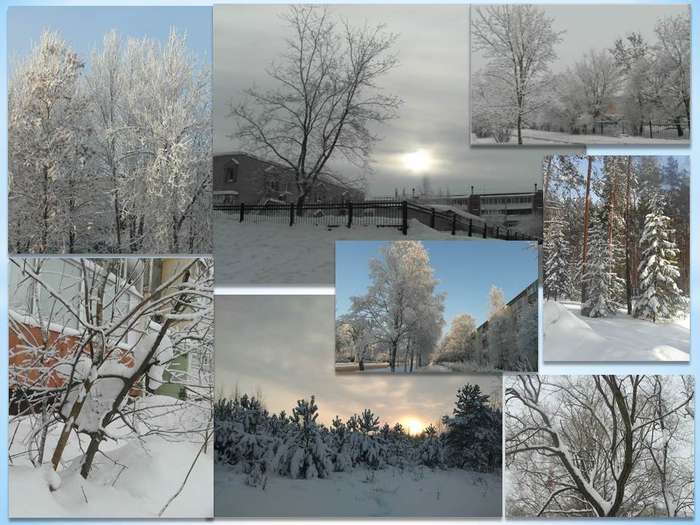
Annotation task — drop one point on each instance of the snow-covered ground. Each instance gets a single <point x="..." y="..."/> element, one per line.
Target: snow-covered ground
<point x="569" y="336"/>
<point x="133" y="478"/>
<point x="268" y="253"/>
<point x="432" y="368"/>
<point x="538" y="137"/>
<point x="392" y="492"/>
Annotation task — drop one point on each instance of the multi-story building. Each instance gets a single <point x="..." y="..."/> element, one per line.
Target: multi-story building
<point x="508" y="209"/>
<point x="245" y="178"/>
<point x="520" y="308"/>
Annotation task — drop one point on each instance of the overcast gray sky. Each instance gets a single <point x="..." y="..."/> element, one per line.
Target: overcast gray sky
<point x="431" y="78"/>
<point x="597" y="26"/>
<point x="283" y="346"/>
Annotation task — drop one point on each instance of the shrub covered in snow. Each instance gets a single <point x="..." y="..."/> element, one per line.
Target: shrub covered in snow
<point x="259" y="444"/>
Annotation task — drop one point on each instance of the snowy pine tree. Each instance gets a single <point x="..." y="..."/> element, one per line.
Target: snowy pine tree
<point x="659" y="297"/>
<point x="343" y="454"/>
<point x="556" y="256"/>
<point x="603" y="286"/>
<point x="431" y="450"/>
<point x="309" y="456"/>
<point x="473" y="436"/>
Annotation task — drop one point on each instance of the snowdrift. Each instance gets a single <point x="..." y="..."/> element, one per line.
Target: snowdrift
<point x="568" y="336"/>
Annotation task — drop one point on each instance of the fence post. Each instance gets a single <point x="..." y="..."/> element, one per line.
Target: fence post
<point x="242" y="212"/>
<point x="349" y="214"/>
<point x="291" y="214"/>
<point x="486" y="227"/>
<point x="454" y="223"/>
<point x="432" y="218"/>
<point x="470" y="227"/>
<point x="404" y="217"/>
<point x="497" y="231"/>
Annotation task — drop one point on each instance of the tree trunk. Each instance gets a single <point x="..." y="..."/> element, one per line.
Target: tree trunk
<point x="392" y="357"/>
<point x="586" y="213"/>
<point x="45" y="229"/>
<point x="628" y="281"/>
<point x="90" y="454"/>
<point x="301" y="199"/>
<point x="547" y="170"/>
<point x="117" y="212"/>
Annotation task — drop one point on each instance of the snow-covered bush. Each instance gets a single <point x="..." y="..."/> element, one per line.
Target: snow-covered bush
<point x="259" y="444"/>
<point x="431" y="449"/>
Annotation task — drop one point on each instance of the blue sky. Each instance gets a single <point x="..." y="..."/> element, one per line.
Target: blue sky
<point x="465" y="270"/>
<point x="84" y="27"/>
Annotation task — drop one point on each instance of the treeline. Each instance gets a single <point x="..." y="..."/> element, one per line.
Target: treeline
<point x="506" y="341"/>
<point x="259" y="444"/>
<point x="633" y="86"/>
<point x="617" y="232"/>
<point x="110" y="154"/>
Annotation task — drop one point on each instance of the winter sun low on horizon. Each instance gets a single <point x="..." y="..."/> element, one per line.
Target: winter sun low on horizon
<point x="293" y="439"/>
<point x="406" y="307"/>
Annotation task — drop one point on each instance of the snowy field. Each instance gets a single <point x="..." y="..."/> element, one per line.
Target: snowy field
<point x="135" y="477"/>
<point x="538" y="137"/>
<point x="569" y="336"/>
<point x="265" y="254"/>
<point x="415" y="492"/>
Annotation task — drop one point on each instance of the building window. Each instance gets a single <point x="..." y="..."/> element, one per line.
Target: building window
<point x="232" y="172"/>
<point x="273" y="185"/>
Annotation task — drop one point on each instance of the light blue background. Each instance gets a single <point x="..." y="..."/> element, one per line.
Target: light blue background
<point x="694" y="152"/>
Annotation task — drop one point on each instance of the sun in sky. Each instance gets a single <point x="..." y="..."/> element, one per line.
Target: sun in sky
<point x="418" y="161"/>
<point x="413" y="425"/>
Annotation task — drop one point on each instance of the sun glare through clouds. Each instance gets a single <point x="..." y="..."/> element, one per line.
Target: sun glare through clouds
<point x="413" y="425"/>
<point x="418" y="161"/>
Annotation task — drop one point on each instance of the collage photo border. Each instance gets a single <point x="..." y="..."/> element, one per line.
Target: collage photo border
<point x="693" y="151"/>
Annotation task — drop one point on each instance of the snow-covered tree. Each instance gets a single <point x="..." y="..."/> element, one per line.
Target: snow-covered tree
<point x="603" y="286"/>
<point x="401" y="297"/>
<point x="673" y="62"/>
<point x="309" y="456"/>
<point x="45" y="128"/>
<point x="325" y="97"/>
<point x="659" y="295"/>
<point x="473" y="432"/>
<point x="432" y="450"/>
<point x="556" y="253"/>
<point x="519" y="41"/>
<point x="597" y="446"/>
<point x="458" y="344"/>
<point x="598" y="78"/>
<point x="108" y="346"/>
<point x="112" y="157"/>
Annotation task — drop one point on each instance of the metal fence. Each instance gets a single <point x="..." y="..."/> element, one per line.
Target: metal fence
<point x="382" y="214"/>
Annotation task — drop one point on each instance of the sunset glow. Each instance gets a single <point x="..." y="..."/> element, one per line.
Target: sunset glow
<point x="413" y="425"/>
